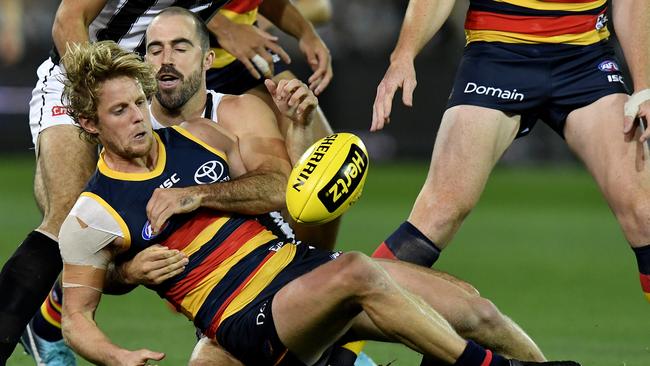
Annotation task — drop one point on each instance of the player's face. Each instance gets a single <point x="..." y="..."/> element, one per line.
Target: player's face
<point x="124" y="125"/>
<point x="174" y="49"/>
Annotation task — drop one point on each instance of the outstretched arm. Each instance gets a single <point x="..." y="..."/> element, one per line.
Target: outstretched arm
<point x="422" y="20"/>
<point x="632" y="22"/>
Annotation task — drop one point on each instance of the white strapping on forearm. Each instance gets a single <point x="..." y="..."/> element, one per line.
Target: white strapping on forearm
<point x="76" y="285"/>
<point x="632" y="105"/>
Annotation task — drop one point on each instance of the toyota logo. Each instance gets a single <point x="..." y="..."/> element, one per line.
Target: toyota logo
<point x="209" y="172"/>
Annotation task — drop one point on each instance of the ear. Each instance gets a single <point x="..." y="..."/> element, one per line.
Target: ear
<point x="208" y="60"/>
<point x="88" y="125"/>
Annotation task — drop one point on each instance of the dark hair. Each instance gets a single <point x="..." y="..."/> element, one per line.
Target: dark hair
<point x="201" y="29"/>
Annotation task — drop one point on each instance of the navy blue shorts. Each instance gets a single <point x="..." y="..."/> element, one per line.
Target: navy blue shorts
<point x="545" y="82"/>
<point x="250" y="334"/>
<point x="234" y="78"/>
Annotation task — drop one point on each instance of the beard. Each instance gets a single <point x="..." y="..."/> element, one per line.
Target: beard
<point x="175" y="99"/>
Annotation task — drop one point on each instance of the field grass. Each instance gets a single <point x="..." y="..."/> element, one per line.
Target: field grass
<point x="542" y="245"/>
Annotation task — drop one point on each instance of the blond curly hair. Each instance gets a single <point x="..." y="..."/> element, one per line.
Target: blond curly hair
<point x="87" y="66"/>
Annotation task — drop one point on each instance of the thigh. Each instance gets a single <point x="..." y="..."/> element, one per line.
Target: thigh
<point x="595" y="134"/>
<point x="64" y="165"/>
<point x="209" y="352"/>
<point x="470" y="141"/>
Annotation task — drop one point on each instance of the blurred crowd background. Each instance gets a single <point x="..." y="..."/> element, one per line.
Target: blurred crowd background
<point x="361" y="36"/>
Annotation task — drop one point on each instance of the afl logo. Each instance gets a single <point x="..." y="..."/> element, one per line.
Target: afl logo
<point x="209" y="172"/>
<point x="608" y="66"/>
<point x="147" y="231"/>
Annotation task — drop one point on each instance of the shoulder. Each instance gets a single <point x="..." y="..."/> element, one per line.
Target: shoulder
<point x="209" y="133"/>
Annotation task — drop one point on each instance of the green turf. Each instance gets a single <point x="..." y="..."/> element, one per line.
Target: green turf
<point x="541" y="244"/>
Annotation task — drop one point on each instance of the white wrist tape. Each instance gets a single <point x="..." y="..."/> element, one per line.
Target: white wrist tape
<point x="632" y="105"/>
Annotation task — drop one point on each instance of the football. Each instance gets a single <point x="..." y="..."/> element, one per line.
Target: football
<point x="327" y="179"/>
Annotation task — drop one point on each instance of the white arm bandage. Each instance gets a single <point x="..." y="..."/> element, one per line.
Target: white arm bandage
<point x="82" y="245"/>
<point x="632" y="105"/>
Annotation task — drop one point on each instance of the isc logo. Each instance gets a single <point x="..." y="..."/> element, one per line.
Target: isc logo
<point x="169" y="182"/>
<point x="341" y="186"/>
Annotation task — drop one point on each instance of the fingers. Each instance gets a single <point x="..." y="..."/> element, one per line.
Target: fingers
<point x="271" y="86"/>
<point x="150" y="355"/>
<point x="407" y="92"/>
<point x="383" y="104"/>
<point x="320" y="62"/>
<point x="278" y="50"/>
<point x="249" y="66"/>
<point x="628" y="124"/>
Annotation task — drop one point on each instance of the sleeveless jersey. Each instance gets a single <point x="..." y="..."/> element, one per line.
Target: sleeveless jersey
<point x="232" y="257"/>
<point x="575" y="22"/>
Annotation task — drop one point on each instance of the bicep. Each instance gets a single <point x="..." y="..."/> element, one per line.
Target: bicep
<point x="261" y="145"/>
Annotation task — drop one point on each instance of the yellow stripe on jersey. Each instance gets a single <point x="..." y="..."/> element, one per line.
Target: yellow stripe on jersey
<point x="204" y="236"/>
<point x="222" y="57"/>
<point x="261" y="279"/>
<point x="160" y="166"/>
<point x="647" y="296"/>
<point x="125" y="229"/>
<point x="196" y="297"/>
<point x="211" y="149"/>
<point x="545" y="5"/>
<point x="581" y="39"/>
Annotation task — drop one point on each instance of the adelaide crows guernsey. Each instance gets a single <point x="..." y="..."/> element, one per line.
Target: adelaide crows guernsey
<point x="232" y="258"/>
<point x="576" y="22"/>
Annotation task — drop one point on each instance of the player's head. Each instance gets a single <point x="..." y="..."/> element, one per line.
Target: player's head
<point x="178" y="47"/>
<point x="106" y="92"/>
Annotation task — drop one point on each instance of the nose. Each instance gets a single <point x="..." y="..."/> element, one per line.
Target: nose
<point x="167" y="58"/>
<point x="137" y="114"/>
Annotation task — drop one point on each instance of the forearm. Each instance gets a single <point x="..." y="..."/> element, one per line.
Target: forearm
<point x="422" y="20"/>
<point x="87" y="340"/>
<point x="251" y="194"/>
<point x="287" y="18"/>
<point x="299" y="138"/>
<point x="116" y="282"/>
<point x="72" y="20"/>
<point x="632" y="22"/>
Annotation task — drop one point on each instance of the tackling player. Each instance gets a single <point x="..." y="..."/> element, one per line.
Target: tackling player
<point x="243" y="285"/>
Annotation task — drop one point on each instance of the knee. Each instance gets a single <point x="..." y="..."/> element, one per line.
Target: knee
<point x="481" y="316"/>
<point x="632" y="214"/>
<point x="358" y="274"/>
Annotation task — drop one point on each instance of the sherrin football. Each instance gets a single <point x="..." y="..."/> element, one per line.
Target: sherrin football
<point x="327" y="179"/>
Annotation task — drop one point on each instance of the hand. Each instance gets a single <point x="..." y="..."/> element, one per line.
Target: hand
<point x="294" y="99"/>
<point x="165" y="202"/>
<point x="638" y="106"/>
<point x="139" y="357"/>
<point x="245" y="41"/>
<point x="400" y="74"/>
<point x="319" y="59"/>
<point x="153" y="266"/>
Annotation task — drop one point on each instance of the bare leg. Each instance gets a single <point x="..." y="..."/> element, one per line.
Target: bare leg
<point x="472" y="316"/>
<point x="595" y="134"/>
<point x="469" y="143"/>
<point x="208" y="352"/>
<point x="346" y="287"/>
<point x="64" y="165"/>
<point x="321" y="236"/>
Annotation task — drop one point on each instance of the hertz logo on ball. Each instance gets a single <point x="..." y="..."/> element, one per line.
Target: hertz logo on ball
<point x="344" y="184"/>
<point x="328" y="179"/>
